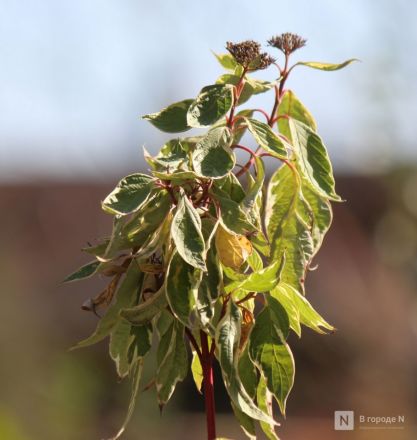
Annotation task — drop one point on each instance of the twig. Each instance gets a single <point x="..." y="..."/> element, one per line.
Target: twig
<point x="193" y="342"/>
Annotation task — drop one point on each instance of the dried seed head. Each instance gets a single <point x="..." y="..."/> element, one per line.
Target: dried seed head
<point x="264" y="61"/>
<point x="249" y="52"/>
<point x="287" y="43"/>
<point x="245" y="52"/>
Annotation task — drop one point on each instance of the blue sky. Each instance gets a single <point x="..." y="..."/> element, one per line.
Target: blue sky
<point x="76" y="75"/>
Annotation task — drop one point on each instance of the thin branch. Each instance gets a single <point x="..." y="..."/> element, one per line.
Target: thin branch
<point x="274" y="108"/>
<point x="208" y="383"/>
<point x="279" y="91"/>
<point x="259" y="110"/>
<point x="236" y="95"/>
<point x="267" y="155"/>
<point x="194" y="344"/>
<point x="250" y="162"/>
<point x="242" y="147"/>
<point x="250" y="295"/>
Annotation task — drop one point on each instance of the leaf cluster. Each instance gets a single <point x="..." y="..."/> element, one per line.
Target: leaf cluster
<point x="204" y="252"/>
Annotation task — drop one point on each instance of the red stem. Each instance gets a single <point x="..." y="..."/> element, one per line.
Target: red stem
<point x="236" y="96"/>
<point x="247" y="297"/>
<point x="208" y="382"/>
<point x="279" y="91"/>
<point x="249" y="163"/>
<point x="242" y="147"/>
<point x="259" y="110"/>
<point x="194" y="343"/>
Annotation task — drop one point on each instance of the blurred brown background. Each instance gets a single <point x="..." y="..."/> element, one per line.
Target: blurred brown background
<point x="74" y="78"/>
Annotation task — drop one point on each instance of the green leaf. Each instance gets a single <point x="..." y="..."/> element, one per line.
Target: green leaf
<point x="197" y="371"/>
<point x="267" y="139"/>
<point x="227" y="343"/>
<point x="176" y="176"/>
<point x="136" y="376"/>
<point x="317" y="208"/>
<point x="247" y="91"/>
<point x="209" y="227"/>
<point x="163" y="324"/>
<point x="147" y="310"/>
<point x="253" y="205"/>
<point x="251" y="199"/>
<point x="278" y="316"/>
<point x="291" y="107"/>
<point x="212" y="156"/>
<point x="97" y="250"/>
<point x="255" y="261"/>
<point x="259" y="85"/>
<point x="292" y="300"/>
<point x="173" y="155"/>
<point x="260" y="243"/>
<point x="281" y="201"/>
<point x="297" y="245"/>
<point x="182" y="282"/>
<point x="149" y="219"/>
<point x="127" y="343"/>
<point x="125" y="297"/>
<point x="129" y="195"/>
<point x="261" y="281"/>
<point x="232" y="187"/>
<point x="286" y="229"/>
<point x="232" y="216"/>
<point x="83" y="272"/>
<point x="293" y="313"/>
<point x="319" y="213"/>
<point x="137" y="231"/>
<point x="271" y="354"/>
<point x="211" y="104"/>
<point x="226" y="60"/>
<point x="118" y="239"/>
<point x="120" y="340"/>
<point x="232" y="275"/>
<point x="313" y="160"/>
<point x="172" y="119"/>
<point x="328" y="67"/>
<point x="158" y="240"/>
<point x="248" y="373"/>
<point x="141" y="341"/>
<point x="209" y="289"/>
<point x="172" y="362"/>
<point x="264" y="399"/>
<point x="187" y="235"/>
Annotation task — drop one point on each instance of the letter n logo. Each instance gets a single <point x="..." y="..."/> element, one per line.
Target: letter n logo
<point x="343" y="420"/>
